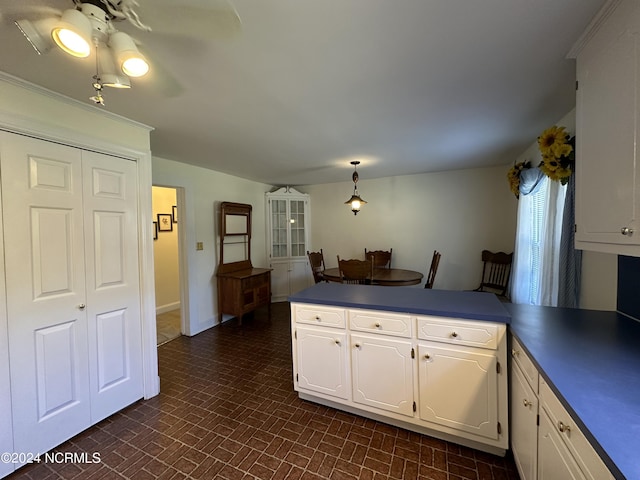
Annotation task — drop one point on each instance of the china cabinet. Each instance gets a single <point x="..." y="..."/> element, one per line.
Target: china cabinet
<point x="607" y="128"/>
<point x="288" y="241"/>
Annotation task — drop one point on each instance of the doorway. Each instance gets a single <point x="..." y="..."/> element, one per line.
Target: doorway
<point x="167" y="268"/>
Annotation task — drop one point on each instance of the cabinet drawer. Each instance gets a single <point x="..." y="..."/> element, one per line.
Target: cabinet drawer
<point x="315" y="315"/>
<point x="589" y="461"/>
<point x="524" y="362"/>
<point x="460" y="332"/>
<point x="380" y="322"/>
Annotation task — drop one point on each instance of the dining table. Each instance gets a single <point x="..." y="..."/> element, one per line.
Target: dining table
<point x="389" y="277"/>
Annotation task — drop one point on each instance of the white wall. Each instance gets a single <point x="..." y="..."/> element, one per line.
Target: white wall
<point x="459" y="213"/>
<point x="165" y="253"/>
<point x="204" y="190"/>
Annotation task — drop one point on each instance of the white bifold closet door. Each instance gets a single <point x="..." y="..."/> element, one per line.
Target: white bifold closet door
<point x="73" y="297"/>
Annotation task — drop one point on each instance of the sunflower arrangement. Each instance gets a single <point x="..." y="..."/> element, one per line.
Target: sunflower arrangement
<point x="558" y="154"/>
<point x="513" y="176"/>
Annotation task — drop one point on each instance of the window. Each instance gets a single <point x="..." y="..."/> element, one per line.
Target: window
<point x="536" y="260"/>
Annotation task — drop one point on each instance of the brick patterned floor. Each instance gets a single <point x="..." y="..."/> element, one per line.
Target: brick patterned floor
<point x="227" y="410"/>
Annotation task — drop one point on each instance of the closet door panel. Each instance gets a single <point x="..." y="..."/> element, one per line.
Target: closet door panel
<point x="44" y="257"/>
<point x="113" y="292"/>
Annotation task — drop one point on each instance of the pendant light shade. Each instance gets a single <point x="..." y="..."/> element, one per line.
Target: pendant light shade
<point x="127" y="56"/>
<point x="73" y="33"/>
<point x="355" y="201"/>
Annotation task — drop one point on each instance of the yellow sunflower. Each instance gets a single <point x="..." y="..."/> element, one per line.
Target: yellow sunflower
<point x="513" y="176"/>
<point x="552" y="142"/>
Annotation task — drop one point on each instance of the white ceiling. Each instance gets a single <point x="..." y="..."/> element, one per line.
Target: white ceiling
<point x="306" y="86"/>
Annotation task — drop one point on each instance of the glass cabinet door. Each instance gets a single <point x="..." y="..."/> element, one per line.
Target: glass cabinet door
<point x="287" y="228"/>
<point x="279" y="228"/>
<point x="296" y="221"/>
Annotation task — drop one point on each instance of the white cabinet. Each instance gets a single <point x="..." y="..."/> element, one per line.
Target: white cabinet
<point x="322" y="365"/>
<point x="545" y="441"/>
<point x="472" y="376"/>
<point x="462" y="386"/>
<point x="382" y="370"/>
<point x="524" y="413"/>
<point x="555" y="460"/>
<point x="607" y="128"/>
<point x="561" y="442"/>
<point x="288" y="241"/>
<point x="433" y="375"/>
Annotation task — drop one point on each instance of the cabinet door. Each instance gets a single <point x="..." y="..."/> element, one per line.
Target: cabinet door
<point x="322" y="362"/>
<point x="459" y="388"/>
<point x="607" y="130"/>
<point x="524" y="424"/>
<point x="300" y="276"/>
<point x="554" y="459"/>
<point x="382" y="371"/>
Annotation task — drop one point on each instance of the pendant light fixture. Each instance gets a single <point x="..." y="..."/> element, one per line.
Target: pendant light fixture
<point x="355" y="201"/>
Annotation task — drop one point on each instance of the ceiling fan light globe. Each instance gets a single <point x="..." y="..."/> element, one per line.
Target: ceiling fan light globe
<point x="135" y="66"/>
<point x="73" y="33"/>
<point x="130" y="60"/>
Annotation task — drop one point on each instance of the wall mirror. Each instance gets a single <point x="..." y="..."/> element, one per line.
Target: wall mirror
<point x="235" y="235"/>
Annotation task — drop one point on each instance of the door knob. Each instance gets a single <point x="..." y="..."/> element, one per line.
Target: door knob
<point x="626" y="231"/>
<point x="82" y="306"/>
<point x="526" y="403"/>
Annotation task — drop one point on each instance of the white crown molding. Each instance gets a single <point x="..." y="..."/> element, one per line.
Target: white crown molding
<point x="595" y="24"/>
<point x="37" y="89"/>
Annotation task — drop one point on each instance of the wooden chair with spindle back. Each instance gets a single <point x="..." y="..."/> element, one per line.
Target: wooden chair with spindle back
<point x="381" y="258"/>
<point x="495" y="273"/>
<point x="435" y="261"/>
<point x="356" y="271"/>
<point x="316" y="261"/>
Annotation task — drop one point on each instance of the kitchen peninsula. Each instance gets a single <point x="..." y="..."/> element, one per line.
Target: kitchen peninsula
<point x="430" y="361"/>
<point x="374" y="351"/>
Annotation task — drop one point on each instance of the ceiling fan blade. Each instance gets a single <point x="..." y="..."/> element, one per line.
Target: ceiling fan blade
<point x="209" y="19"/>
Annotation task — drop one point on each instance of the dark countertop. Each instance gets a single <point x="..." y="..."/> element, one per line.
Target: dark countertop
<point x="419" y="301"/>
<point x="591" y="359"/>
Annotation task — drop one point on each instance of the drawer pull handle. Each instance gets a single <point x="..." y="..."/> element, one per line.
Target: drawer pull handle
<point x="626" y="231"/>
<point x="563" y="428"/>
<point x="337" y="341"/>
<point x="427" y="356"/>
<point x="526" y="403"/>
<point x="377" y="324"/>
<point x="357" y="345"/>
<point x="454" y="334"/>
<point x="515" y="353"/>
<point x="82" y="306"/>
<point x="318" y="318"/>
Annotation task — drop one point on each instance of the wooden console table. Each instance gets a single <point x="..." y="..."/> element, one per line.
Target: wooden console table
<point x="241" y="288"/>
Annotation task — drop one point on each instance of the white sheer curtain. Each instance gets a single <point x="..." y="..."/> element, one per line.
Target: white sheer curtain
<point x="535" y="273"/>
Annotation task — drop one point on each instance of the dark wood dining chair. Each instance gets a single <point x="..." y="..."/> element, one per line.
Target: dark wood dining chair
<point x="381" y="258"/>
<point x="495" y="273"/>
<point x="316" y="261"/>
<point x="435" y="261"/>
<point x="356" y="271"/>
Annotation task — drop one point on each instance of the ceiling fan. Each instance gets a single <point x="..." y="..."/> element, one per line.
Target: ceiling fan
<point x="93" y="27"/>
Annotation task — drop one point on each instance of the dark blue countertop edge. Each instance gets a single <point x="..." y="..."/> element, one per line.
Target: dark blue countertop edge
<point x="600" y="395"/>
<point x="412" y="300"/>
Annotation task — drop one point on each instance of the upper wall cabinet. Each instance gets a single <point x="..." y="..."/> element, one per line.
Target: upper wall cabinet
<point x="607" y="176"/>
<point x="288" y="242"/>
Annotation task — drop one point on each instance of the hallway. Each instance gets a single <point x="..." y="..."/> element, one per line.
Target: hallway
<point x="227" y="410"/>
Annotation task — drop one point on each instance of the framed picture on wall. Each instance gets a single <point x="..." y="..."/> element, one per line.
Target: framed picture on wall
<point x="165" y="222"/>
<point x="155" y="230"/>
<point x="174" y="213"/>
